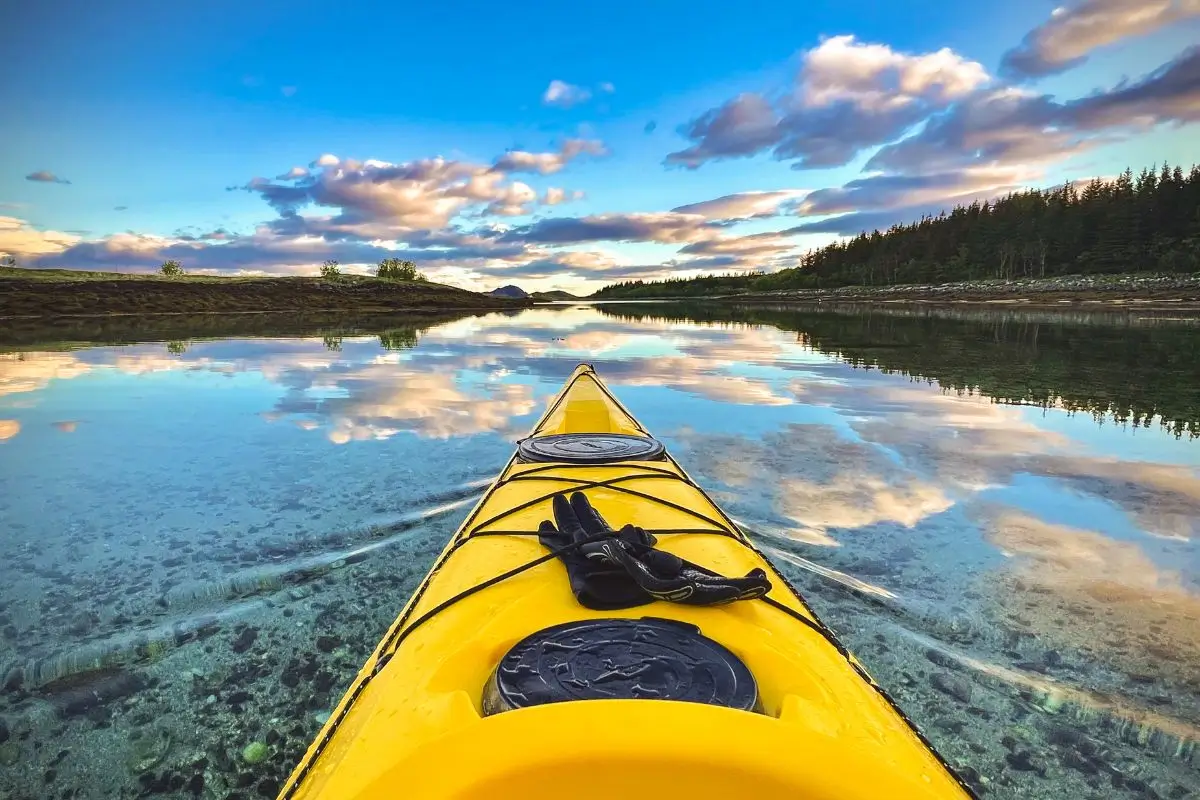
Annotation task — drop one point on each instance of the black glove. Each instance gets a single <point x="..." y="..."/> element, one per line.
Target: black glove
<point x="622" y="569"/>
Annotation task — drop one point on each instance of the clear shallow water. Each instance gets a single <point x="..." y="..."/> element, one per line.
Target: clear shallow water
<point x="204" y="538"/>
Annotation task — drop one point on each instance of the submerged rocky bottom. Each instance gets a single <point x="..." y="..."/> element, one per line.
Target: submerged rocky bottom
<point x="225" y="710"/>
<point x="1050" y="725"/>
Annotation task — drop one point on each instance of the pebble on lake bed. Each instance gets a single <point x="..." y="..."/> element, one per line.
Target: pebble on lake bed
<point x="255" y="753"/>
<point x="957" y="687"/>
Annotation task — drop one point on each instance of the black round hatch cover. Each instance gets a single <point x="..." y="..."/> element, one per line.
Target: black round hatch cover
<point x="591" y="448"/>
<point x="648" y="658"/>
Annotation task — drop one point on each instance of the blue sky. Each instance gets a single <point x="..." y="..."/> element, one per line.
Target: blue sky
<point x="142" y="131"/>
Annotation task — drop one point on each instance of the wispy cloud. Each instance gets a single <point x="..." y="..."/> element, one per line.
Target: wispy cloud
<point x="564" y="95"/>
<point x="1073" y="32"/>
<point x="743" y="205"/>
<point x="295" y="173"/>
<point x="45" y="176"/>
<point x="663" y="227"/>
<point x="548" y="163"/>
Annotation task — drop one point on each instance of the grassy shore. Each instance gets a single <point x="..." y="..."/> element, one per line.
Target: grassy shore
<point x="1144" y="290"/>
<point x="52" y="293"/>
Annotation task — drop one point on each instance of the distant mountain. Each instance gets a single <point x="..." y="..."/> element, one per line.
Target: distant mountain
<point x="558" y="295"/>
<point x="510" y="291"/>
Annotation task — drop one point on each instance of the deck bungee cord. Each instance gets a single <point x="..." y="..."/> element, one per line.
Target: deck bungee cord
<point x="554" y="656"/>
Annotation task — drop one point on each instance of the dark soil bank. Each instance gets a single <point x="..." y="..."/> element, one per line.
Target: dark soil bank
<point x="42" y="298"/>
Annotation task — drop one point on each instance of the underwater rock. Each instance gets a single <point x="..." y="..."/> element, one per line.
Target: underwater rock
<point x="1078" y="762"/>
<point x="327" y="644"/>
<point x="10" y="753"/>
<point x="942" y="659"/>
<point x="102" y="688"/>
<point x="323" y="681"/>
<point x="3" y="731"/>
<point x="957" y="687"/>
<point x="197" y="629"/>
<point x="83" y="623"/>
<point x="255" y="753"/>
<point x="244" y="640"/>
<point x="1024" y="761"/>
<point x="14" y="678"/>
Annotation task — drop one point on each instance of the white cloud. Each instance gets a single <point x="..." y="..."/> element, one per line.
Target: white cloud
<point x="549" y="163"/>
<point x="19" y="238"/>
<point x="1074" y="31"/>
<point x="848" y="96"/>
<point x="564" y="95"/>
<point x="876" y="78"/>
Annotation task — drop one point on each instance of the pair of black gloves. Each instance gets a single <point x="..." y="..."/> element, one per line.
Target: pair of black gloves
<point x="620" y="569"/>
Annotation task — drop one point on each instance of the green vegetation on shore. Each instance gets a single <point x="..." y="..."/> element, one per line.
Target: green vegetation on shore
<point x="57" y="292"/>
<point x="1129" y="224"/>
<point x="554" y="296"/>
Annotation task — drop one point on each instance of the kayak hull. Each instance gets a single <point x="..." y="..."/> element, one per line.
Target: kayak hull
<point x="413" y="723"/>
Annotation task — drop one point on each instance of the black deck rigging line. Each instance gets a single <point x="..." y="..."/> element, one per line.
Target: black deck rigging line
<point x="655" y="531"/>
<point x="400" y="630"/>
<point x="861" y="671"/>
<point x="388" y="649"/>
<point x="609" y="483"/>
<point x="625" y="465"/>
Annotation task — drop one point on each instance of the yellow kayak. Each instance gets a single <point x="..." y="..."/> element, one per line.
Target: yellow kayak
<point x="495" y="681"/>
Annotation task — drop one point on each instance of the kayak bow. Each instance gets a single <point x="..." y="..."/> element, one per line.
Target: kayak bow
<point x="495" y="682"/>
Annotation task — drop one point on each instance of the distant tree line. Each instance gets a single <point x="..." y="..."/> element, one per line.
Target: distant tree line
<point x="1128" y="224"/>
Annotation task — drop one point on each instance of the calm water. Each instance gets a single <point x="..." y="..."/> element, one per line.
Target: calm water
<point x="204" y="535"/>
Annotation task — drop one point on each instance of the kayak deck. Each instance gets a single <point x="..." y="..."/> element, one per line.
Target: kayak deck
<point x="413" y="725"/>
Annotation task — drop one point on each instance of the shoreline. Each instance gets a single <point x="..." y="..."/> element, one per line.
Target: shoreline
<point x="182" y="326"/>
<point x="40" y="298"/>
<point x="1127" y="291"/>
<point x="1064" y="301"/>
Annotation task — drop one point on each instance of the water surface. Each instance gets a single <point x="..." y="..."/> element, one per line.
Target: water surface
<point x="205" y="534"/>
